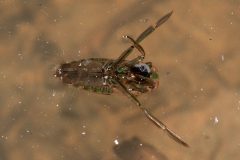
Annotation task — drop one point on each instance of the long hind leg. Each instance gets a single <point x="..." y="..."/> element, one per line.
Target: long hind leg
<point x="153" y="119"/>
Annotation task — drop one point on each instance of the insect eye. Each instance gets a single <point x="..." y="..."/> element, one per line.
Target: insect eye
<point x="144" y="68"/>
<point x="141" y="69"/>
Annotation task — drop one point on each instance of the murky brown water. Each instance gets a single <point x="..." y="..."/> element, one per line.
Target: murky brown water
<point x="196" y="52"/>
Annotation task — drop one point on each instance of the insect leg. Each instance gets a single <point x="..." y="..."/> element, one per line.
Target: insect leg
<point x="136" y="88"/>
<point x="161" y="125"/>
<point x="123" y="56"/>
<point x="128" y="51"/>
<point x="153" y="119"/>
<point x="149" y="81"/>
<point x="138" y="46"/>
<point x="141" y="37"/>
<point x="150" y="29"/>
<point x="135" y="60"/>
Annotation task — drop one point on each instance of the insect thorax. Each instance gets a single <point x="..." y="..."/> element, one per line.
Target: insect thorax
<point x="138" y="78"/>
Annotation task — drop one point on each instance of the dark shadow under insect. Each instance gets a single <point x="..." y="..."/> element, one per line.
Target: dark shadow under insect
<point x="133" y="77"/>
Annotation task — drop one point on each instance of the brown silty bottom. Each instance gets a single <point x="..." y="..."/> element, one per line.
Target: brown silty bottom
<point x="197" y="55"/>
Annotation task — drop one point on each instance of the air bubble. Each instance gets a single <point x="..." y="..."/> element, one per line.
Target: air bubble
<point x="116" y="142"/>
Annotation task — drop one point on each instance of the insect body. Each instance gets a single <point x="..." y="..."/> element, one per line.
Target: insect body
<point x="92" y="75"/>
<point x="133" y="77"/>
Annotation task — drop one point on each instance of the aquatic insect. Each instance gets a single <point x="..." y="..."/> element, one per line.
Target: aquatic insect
<point x="132" y="77"/>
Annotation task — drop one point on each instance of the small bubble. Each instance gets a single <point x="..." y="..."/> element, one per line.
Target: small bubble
<point x="116" y="142"/>
<point x="222" y="57"/>
<point x="83" y="133"/>
<point x="216" y="120"/>
<point x="20" y="87"/>
<point x="20" y="55"/>
<point x="124" y="36"/>
<point x="54" y="93"/>
<point x="144" y="20"/>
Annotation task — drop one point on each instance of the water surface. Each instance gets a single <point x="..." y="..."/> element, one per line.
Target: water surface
<point x="196" y="52"/>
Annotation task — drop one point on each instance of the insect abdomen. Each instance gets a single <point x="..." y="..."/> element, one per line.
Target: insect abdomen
<point x="99" y="89"/>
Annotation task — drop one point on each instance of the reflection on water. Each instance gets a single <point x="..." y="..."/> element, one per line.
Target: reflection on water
<point x="196" y="53"/>
<point x="135" y="149"/>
